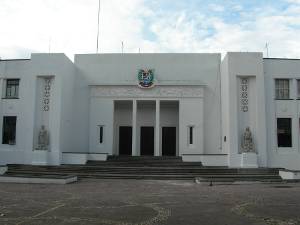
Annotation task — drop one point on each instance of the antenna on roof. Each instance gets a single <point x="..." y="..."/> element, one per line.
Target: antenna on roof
<point x="267" y="49"/>
<point x="98" y="28"/>
<point x="49" y="47"/>
<point x="139" y="50"/>
<point x="122" y="47"/>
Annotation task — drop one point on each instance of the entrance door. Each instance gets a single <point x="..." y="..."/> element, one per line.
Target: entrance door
<point x="147" y="141"/>
<point x="125" y="140"/>
<point x="169" y="141"/>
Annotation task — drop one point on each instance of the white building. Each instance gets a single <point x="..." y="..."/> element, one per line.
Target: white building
<point x="197" y="107"/>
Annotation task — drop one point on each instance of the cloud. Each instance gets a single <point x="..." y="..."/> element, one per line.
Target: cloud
<point x="216" y="7"/>
<point x="71" y="27"/>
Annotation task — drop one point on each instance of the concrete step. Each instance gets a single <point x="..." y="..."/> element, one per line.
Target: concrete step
<point x="155" y="176"/>
<point x="122" y="169"/>
<point x="176" y="171"/>
<point x="144" y="158"/>
<point x="26" y="178"/>
<point x="139" y="173"/>
<point x="148" y="168"/>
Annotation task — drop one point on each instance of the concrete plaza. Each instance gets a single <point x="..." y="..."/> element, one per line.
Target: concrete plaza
<point x="147" y="202"/>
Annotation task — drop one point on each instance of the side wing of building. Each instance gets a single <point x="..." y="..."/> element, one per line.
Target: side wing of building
<point x="36" y="109"/>
<point x="282" y="91"/>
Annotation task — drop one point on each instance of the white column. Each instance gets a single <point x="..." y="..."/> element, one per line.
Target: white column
<point x="134" y="110"/>
<point x="157" y="128"/>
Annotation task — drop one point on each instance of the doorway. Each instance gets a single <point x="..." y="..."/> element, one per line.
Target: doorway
<point x="169" y="141"/>
<point x="125" y="140"/>
<point x="147" y="141"/>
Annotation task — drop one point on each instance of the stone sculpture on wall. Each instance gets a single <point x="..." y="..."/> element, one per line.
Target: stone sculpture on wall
<point x="247" y="142"/>
<point x="43" y="139"/>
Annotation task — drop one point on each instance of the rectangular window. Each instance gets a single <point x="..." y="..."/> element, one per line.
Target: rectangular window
<point x="12" y="88"/>
<point x="282" y="88"/>
<point x="284" y="132"/>
<point x="9" y="130"/>
<point x="101" y="134"/>
<point x="298" y="89"/>
<point x="191" y="134"/>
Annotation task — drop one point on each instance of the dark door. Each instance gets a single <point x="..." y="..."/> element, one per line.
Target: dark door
<point x="147" y="141"/>
<point x="169" y="141"/>
<point x="125" y="140"/>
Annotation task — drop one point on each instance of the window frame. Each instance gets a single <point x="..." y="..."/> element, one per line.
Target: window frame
<point x="298" y="88"/>
<point x="8" y="133"/>
<point x="280" y="144"/>
<point x="191" y="134"/>
<point x="14" y="87"/>
<point x="283" y="86"/>
<point x="100" y="134"/>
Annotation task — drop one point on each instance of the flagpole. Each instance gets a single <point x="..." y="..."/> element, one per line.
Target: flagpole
<point x="98" y="30"/>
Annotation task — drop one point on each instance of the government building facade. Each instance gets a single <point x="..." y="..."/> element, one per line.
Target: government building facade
<point x="239" y="111"/>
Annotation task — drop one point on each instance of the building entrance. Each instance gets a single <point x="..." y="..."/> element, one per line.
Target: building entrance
<point x="125" y="140"/>
<point x="169" y="141"/>
<point x="147" y="141"/>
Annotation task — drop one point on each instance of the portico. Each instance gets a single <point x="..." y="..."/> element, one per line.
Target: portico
<point x="152" y="122"/>
<point x="146" y="127"/>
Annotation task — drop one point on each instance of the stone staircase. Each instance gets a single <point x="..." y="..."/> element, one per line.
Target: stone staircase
<point x="163" y="168"/>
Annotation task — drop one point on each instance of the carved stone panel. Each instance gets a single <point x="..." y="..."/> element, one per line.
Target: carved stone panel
<point x="244" y="87"/>
<point x="156" y="92"/>
<point x="46" y="94"/>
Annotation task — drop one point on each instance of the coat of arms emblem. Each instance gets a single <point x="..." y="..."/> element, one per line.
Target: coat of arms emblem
<point x="146" y="78"/>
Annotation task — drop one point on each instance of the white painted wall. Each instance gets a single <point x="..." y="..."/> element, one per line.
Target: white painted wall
<point x="290" y="69"/>
<point x="234" y="66"/>
<point x="101" y="113"/>
<point x="56" y="65"/>
<point x="191" y="114"/>
<point x="118" y="69"/>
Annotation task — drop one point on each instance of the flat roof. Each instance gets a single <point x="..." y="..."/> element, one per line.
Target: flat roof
<point x="282" y="58"/>
<point x="13" y="59"/>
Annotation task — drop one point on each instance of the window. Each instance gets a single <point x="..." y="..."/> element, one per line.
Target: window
<point x="12" y="88"/>
<point x="284" y="132"/>
<point x="298" y="89"/>
<point x="282" y="88"/>
<point x="191" y="134"/>
<point x="101" y="134"/>
<point x="9" y="130"/>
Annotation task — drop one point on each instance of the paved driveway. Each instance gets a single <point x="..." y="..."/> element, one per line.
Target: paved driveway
<point x="144" y="202"/>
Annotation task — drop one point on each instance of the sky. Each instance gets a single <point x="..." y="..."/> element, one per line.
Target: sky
<point x="149" y="26"/>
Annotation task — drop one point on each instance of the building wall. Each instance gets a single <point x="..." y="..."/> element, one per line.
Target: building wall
<point x="57" y="66"/>
<point x="287" y="69"/>
<point x="236" y="66"/>
<point x="22" y="108"/>
<point x="216" y="115"/>
<point x="121" y="69"/>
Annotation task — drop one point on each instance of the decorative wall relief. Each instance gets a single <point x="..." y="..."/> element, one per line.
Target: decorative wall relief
<point x="247" y="141"/>
<point x="190" y="91"/>
<point x="46" y="97"/>
<point x="244" y="88"/>
<point x="42" y="133"/>
<point x="43" y="139"/>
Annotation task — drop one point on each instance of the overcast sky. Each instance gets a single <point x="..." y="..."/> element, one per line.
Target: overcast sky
<point x="70" y="26"/>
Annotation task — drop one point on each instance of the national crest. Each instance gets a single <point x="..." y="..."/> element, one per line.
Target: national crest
<point x="146" y="78"/>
